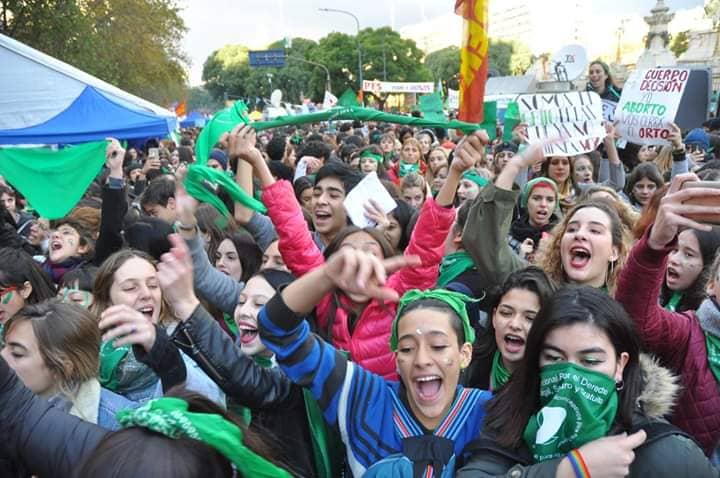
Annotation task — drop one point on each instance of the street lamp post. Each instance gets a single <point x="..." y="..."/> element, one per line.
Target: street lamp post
<point x="327" y="72"/>
<point x="357" y="23"/>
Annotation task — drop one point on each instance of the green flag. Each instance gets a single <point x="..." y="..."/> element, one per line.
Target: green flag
<point x="512" y="118"/>
<point x="489" y="123"/>
<point x="53" y="181"/>
<point x="222" y="122"/>
<point x="349" y="98"/>
<point x="432" y="107"/>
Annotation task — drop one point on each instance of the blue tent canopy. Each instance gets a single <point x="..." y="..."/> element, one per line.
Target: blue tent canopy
<point x="195" y="118"/>
<point x="91" y="117"/>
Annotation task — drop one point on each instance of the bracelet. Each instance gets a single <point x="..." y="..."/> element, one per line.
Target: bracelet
<point x="578" y="464"/>
<point x="184" y="227"/>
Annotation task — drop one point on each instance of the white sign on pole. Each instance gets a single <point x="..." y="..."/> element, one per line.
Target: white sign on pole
<point x="453" y="99"/>
<point x="574" y="118"/>
<point x="649" y="103"/>
<point x="330" y="100"/>
<point x="396" y="87"/>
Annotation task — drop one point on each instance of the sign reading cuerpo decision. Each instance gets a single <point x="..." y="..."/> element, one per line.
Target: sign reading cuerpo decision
<point x="574" y="119"/>
<point x="649" y="103"/>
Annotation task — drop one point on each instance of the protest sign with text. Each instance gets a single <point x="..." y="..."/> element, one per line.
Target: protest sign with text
<point x="574" y="118"/>
<point x="649" y="103"/>
<point x="397" y="87"/>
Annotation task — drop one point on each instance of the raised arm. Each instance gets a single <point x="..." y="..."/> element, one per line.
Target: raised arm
<point x="114" y="205"/>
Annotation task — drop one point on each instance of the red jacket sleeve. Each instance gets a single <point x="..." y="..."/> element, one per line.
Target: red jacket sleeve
<point x="427" y="242"/>
<point x="664" y="333"/>
<point x="296" y="245"/>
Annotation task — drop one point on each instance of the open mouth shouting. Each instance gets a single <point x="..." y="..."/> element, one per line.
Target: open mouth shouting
<point x="579" y="257"/>
<point x="514" y="344"/>
<point x="147" y="311"/>
<point x="428" y="389"/>
<point x="247" y="332"/>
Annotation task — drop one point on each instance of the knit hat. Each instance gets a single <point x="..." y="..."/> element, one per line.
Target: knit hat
<point x="698" y="136"/>
<point x="536" y="183"/>
<point x="505" y="146"/>
<point x="276" y="278"/>
<point x="219" y="156"/>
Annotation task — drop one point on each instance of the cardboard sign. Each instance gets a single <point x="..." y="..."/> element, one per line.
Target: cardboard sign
<point x="574" y="118"/>
<point x="649" y="103"/>
<point x="609" y="108"/>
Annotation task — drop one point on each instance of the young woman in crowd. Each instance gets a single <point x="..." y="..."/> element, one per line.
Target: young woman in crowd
<point x="23" y="220"/>
<point x="439" y="178"/>
<point x="414" y="190"/>
<point x="366" y="340"/>
<point x="500" y="346"/>
<point x="371" y="160"/>
<point x="560" y="170"/>
<point x="592" y="168"/>
<point x="410" y="161"/>
<point x="398" y="229"/>
<point x="54" y="349"/>
<point x="437" y="159"/>
<point x="588" y="247"/>
<point x="387" y="145"/>
<point x="601" y="82"/>
<point x="583" y="402"/>
<point x="686" y="342"/>
<point x="420" y="424"/>
<point x="303" y="187"/>
<point x="642" y="183"/>
<point x="427" y="140"/>
<point x="22" y="282"/>
<point x="470" y="185"/>
<point x="540" y="206"/>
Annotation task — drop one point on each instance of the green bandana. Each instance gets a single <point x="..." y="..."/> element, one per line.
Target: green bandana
<point x="474" y="176"/>
<point x="53" y="181"/>
<point x="712" y="343"/>
<point x="195" y="183"/>
<point x="578" y="405"/>
<point x="110" y="358"/>
<point x="371" y="155"/>
<point x="169" y="416"/>
<point x="231" y="325"/>
<point x="453" y="265"/>
<point x="455" y="300"/>
<point x="675" y="299"/>
<point x="223" y="122"/>
<point x="405" y="168"/>
<point x="499" y="375"/>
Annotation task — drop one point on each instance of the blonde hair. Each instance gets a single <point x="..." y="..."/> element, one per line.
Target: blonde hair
<point x="549" y="256"/>
<point x="664" y="159"/>
<point x="628" y="215"/>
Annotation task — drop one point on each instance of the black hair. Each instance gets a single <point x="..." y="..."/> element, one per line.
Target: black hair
<point x="82" y="278"/>
<point x="378" y="236"/>
<point x="439" y="305"/>
<point x="275" y="148"/>
<point x="248" y="252"/>
<point x="354" y="140"/>
<point x="213" y="224"/>
<point x="348" y="176"/>
<point x="314" y="137"/>
<point x="281" y="170"/>
<point x="510" y="409"/>
<point x="643" y="170"/>
<point x="300" y="185"/>
<point x="403" y="214"/>
<point x="346" y="151"/>
<point x="149" y="235"/>
<point x="185" y="154"/>
<point x="18" y="267"/>
<point x="317" y="149"/>
<point x="158" y="192"/>
<point x="404" y="131"/>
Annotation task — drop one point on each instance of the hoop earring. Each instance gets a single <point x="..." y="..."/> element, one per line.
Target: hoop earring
<point x="619" y="385"/>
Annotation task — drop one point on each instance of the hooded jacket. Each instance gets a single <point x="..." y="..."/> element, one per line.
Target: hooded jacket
<point x="676" y="338"/>
<point x="368" y="340"/>
<point x="666" y="456"/>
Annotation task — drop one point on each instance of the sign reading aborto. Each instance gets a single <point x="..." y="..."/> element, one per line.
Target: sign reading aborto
<point x="573" y="119"/>
<point x="649" y="103"/>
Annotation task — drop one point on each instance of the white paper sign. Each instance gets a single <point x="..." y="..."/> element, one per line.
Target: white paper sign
<point x="649" y="103"/>
<point x="453" y="99"/>
<point x="609" y="110"/>
<point x="575" y="118"/>
<point x="369" y="188"/>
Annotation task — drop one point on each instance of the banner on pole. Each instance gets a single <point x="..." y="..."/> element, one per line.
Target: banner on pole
<point x="649" y="103"/>
<point x="330" y="100"/>
<point x="397" y="87"/>
<point x="473" y="58"/>
<point x="576" y="118"/>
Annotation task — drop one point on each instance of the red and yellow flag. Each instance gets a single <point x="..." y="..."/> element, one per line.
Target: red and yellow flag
<point x="473" y="58"/>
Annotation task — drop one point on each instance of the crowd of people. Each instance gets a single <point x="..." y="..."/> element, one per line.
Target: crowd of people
<point x="514" y="315"/>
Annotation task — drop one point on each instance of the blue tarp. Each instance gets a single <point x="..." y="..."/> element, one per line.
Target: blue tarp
<point x="194" y="119"/>
<point x="92" y="117"/>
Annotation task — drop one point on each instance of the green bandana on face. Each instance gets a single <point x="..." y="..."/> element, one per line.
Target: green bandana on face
<point x="406" y="168"/>
<point x="453" y="265"/>
<point x="169" y="416"/>
<point x="455" y="300"/>
<point x="712" y="343"/>
<point x="499" y="375"/>
<point x="578" y="405"/>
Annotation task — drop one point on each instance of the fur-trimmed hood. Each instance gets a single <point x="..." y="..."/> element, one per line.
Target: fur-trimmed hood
<point x="661" y="390"/>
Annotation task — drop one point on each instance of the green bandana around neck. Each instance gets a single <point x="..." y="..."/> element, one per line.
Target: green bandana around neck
<point x="405" y="168"/>
<point x="474" y="176"/>
<point x="231" y="325"/>
<point x="453" y="265"/>
<point x="53" y="181"/>
<point x="110" y="359"/>
<point x="455" y="300"/>
<point x="712" y="342"/>
<point x="499" y="375"/>
<point x="371" y="155"/>
<point x="578" y="405"/>
<point x="675" y="299"/>
<point x="169" y="416"/>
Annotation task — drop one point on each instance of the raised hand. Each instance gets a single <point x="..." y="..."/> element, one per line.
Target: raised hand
<point x="374" y="212"/>
<point x="675" y="136"/>
<point x="241" y="143"/>
<point x="470" y="151"/>
<point x="175" y="273"/>
<point x="127" y="326"/>
<point x="114" y="155"/>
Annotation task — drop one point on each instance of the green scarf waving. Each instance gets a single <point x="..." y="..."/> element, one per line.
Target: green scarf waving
<point x="453" y="265"/>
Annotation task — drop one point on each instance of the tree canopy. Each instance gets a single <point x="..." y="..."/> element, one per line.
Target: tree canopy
<point x="133" y="44"/>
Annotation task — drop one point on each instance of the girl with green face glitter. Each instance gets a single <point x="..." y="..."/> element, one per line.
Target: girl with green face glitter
<point x="22" y="281"/>
<point x="581" y="401"/>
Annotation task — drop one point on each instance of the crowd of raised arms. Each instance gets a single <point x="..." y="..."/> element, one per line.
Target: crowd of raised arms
<point x="514" y="315"/>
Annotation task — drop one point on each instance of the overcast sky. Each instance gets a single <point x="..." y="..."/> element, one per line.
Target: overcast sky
<point x="215" y="23"/>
